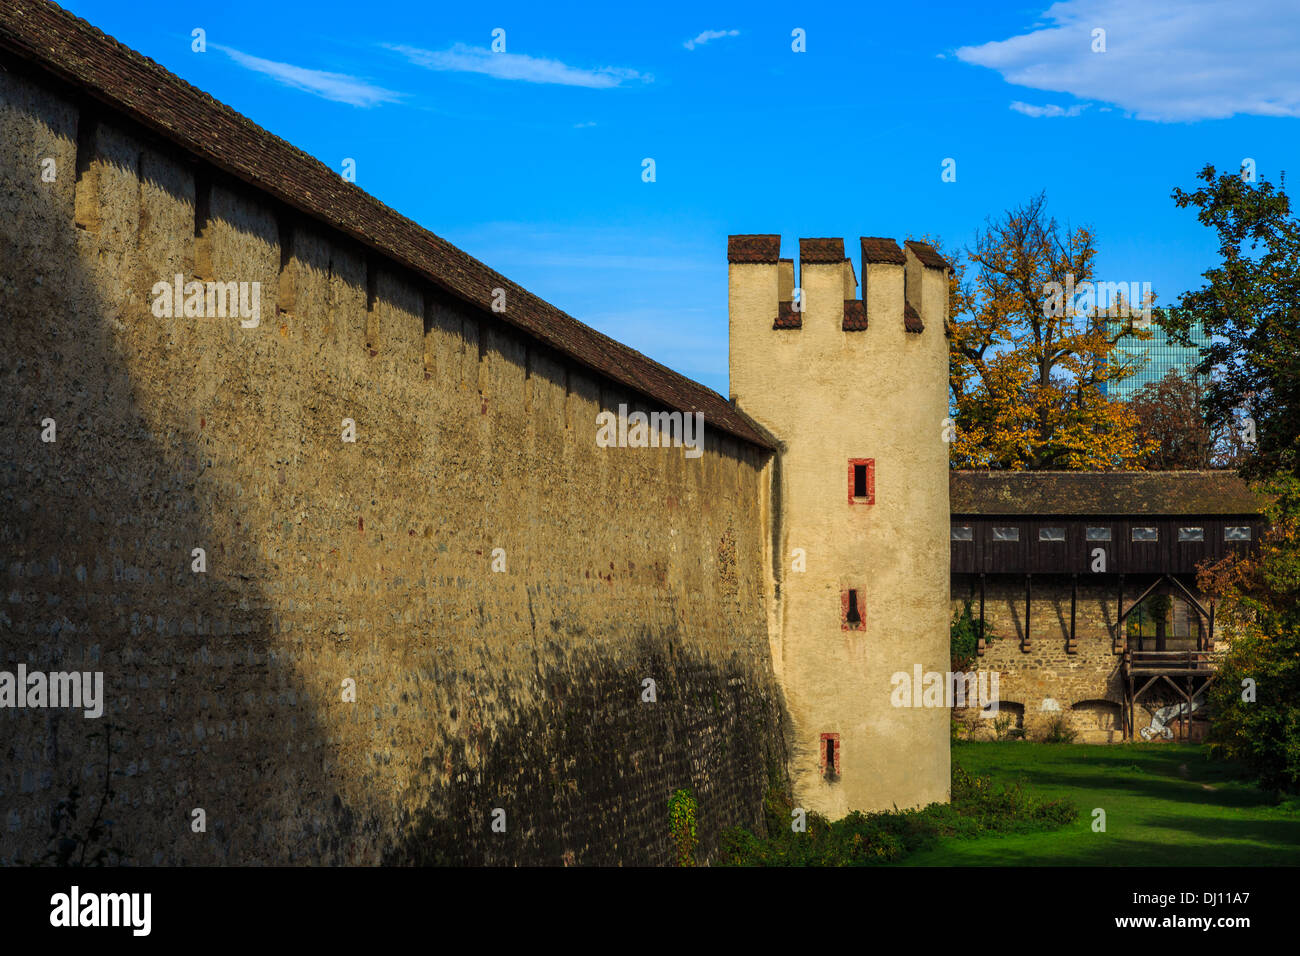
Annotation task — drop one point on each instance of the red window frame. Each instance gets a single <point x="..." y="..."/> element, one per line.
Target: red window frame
<point x="835" y="754"/>
<point x="870" y="464"/>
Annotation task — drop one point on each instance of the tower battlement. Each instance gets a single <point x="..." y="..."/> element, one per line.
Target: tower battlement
<point x="852" y="383"/>
<point x="902" y="285"/>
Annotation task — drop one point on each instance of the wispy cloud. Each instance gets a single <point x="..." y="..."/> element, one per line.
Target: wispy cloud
<point x="339" y="87"/>
<point x="518" y="66"/>
<point x="586" y="125"/>
<point x="708" y="35"/>
<point x="1165" y="60"/>
<point x="1050" y="110"/>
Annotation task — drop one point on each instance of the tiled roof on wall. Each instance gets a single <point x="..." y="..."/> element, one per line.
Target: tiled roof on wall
<point x="927" y="255"/>
<point x="876" y="249"/>
<point x="135" y="86"/>
<point x="787" y="317"/>
<point x="753" y="248"/>
<point x="855" y="316"/>
<point x="911" y="321"/>
<point x="821" y="251"/>
<point x="1100" y="493"/>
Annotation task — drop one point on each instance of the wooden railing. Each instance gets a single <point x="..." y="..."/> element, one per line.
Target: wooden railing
<point x="1172" y="660"/>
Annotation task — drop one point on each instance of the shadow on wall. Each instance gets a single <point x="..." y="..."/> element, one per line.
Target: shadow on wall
<point x="584" y="774"/>
<point x="98" y="531"/>
<point x="206" y="702"/>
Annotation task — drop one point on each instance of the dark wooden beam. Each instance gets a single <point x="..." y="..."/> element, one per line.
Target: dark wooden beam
<point x="1071" y="646"/>
<point x="1029" y="610"/>
<point x="981" y="634"/>
<point x="1191" y="598"/>
<point x="1145" y="594"/>
<point x="1119" y="620"/>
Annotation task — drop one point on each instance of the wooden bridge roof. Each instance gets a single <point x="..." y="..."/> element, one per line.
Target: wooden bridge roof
<point x="1084" y="493"/>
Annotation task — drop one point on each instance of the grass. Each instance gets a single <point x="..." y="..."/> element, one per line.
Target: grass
<point x="978" y="806"/>
<point x="1166" y="805"/>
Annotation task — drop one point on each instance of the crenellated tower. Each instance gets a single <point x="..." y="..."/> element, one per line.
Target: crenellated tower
<point x="856" y="389"/>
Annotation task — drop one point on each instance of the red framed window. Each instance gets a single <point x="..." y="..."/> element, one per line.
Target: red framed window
<point x="862" y="481"/>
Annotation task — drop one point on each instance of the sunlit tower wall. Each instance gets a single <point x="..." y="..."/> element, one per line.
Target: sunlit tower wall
<point x="856" y="390"/>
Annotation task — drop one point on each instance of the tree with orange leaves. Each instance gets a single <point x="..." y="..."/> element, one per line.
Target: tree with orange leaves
<point x="1028" y="367"/>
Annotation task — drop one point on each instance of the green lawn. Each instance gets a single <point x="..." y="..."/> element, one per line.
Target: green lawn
<point x="1166" y="805"/>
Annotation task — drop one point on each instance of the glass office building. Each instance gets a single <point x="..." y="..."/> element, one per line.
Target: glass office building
<point x="1161" y="355"/>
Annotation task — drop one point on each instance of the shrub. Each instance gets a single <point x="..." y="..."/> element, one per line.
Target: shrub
<point x="862" y="839"/>
<point x="681" y="824"/>
<point x="964" y="635"/>
<point x="1059" y="730"/>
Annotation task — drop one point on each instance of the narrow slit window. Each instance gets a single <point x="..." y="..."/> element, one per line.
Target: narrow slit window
<point x="963" y="532"/>
<point x="1191" y="534"/>
<point x="1236" y="533"/>
<point x="862" y="481"/>
<point x="1146" y="534"/>
<point x="853" y="617"/>
<point x="1098" y="534"/>
<point x="1006" y="534"/>
<point x="1051" y="534"/>
<point x="830" y="756"/>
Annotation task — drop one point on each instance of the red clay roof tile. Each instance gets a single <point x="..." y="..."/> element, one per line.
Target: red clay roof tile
<point x="911" y="321"/>
<point x="927" y="255"/>
<point x="855" y="316"/>
<point x="821" y="251"/>
<point x="877" y="249"/>
<point x="753" y="248"/>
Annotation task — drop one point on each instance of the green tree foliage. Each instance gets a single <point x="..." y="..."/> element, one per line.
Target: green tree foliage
<point x="964" y="636"/>
<point x="1259" y="606"/>
<point x="1250" y="307"/>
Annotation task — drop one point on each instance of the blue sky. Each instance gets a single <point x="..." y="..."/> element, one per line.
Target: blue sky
<point x="531" y="159"/>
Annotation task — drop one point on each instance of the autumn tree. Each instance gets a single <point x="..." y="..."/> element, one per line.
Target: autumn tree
<point x="1028" y="365"/>
<point x="1169" y="412"/>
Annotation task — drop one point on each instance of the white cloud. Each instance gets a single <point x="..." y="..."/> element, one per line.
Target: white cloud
<point x="1050" y="110"/>
<point x="338" y="87"/>
<point x="1165" y="60"/>
<point x="517" y="66"/>
<point x="708" y="35"/>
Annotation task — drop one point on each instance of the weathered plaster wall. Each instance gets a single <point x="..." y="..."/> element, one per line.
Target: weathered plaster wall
<point x="832" y="396"/>
<point x="328" y="560"/>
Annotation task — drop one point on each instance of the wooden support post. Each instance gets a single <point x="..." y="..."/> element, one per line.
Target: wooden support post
<point x="1132" y="718"/>
<point x="1120" y="643"/>
<point x="1029" y="610"/>
<point x="1071" y="646"/>
<point x="981" y="634"/>
<point x="1210" y="639"/>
